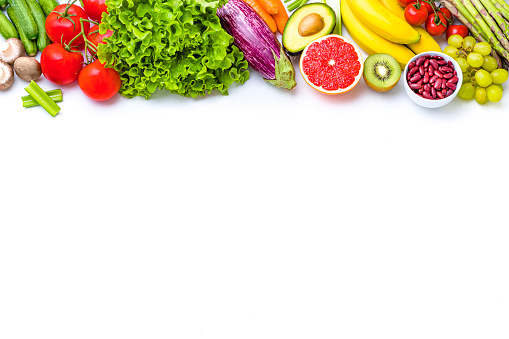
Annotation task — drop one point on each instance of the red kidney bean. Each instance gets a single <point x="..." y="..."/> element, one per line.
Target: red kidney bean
<point x="426" y="78"/>
<point x="440" y="95"/>
<point x="426" y="95"/>
<point x="426" y="63"/>
<point x="427" y="88"/>
<point x="416" y="77"/>
<point x="445" y="69"/>
<point x="452" y="87"/>
<point x="444" y="82"/>
<point x="420" y="61"/>
<point x="433" y="79"/>
<point x="449" y="92"/>
<point x="438" y="84"/>
<point x="444" y="92"/>
<point x="415" y="86"/>
<point x="439" y="74"/>
<point x="448" y="75"/>
<point x="453" y="79"/>
<point x="411" y="65"/>
<point x="413" y="71"/>
<point x="442" y="62"/>
<point x="421" y="70"/>
<point x="421" y="90"/>
<point x="434" y="63"/>
<point x="433" y="92"/>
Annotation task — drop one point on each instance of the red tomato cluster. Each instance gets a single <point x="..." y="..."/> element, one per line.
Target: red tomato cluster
<point x="436" y="20"/>
<point x="62" y="62"/>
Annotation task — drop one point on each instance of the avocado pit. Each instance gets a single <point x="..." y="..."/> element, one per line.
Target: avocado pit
<point x="311" y="24"/>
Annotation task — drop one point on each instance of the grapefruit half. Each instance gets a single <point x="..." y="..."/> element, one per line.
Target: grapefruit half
<point x="331" y="64"/>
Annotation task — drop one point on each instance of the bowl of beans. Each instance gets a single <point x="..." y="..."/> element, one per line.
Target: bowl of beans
<point x="432" y="79"/>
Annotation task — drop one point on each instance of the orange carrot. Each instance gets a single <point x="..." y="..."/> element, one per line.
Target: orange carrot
<point x="281" y="17"/>
<point x="263" y="14"/>
<point x="271" y="6"/>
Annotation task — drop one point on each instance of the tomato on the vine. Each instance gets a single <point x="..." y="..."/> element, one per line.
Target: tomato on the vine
<point x="404" y="3"/>
<point x="446" y="13"/>
<point x="95" y="38"/>
<point x="59" y="65"/>
<point x="95" y="9"/>
<point x="457" y="29"/>
<point x="98" y="82"/>
<point x="416" y="14"/>
<point x="63" y="24"/>
<point x="429" y="5"/>
<point x="436" y="24"/>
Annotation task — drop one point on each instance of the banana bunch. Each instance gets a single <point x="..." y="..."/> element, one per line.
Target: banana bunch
<point x="379" y="26"/>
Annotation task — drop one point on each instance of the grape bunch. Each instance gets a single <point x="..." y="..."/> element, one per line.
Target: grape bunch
<point x="482" y="79"/>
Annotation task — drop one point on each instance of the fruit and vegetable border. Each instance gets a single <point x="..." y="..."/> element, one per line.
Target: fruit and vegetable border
<point x="194" y="47"/>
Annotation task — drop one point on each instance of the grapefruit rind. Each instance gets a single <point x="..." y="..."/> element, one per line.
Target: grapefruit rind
<point x="346" y="81"/>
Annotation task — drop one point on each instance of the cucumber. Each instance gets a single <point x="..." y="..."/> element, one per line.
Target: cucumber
<point x="48" y="5"/>
<point x="30" y="45"/>
<point x="40" y="19"/>
<point x="3" y="4"/>
<point x="7" y="29"/>
<point x="26" y="21"/>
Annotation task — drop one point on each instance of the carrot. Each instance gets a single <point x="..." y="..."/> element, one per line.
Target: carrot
<point x="281" y="17"/>
<point x="271" y="6"/>
<point x="263" y="14"/>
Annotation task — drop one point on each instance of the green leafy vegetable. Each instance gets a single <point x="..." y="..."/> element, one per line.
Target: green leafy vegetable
<point x="177" y="45"/>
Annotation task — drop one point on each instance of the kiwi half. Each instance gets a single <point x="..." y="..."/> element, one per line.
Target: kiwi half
<point x="381" y="72"/>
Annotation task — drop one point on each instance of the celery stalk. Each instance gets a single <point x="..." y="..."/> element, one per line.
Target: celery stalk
<point x="55" y="95"/>
<point x="337" y="28"/>
<point x="42" y="98"/>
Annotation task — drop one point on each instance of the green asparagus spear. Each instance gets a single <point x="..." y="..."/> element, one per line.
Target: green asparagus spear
<point x="491" y="22"/>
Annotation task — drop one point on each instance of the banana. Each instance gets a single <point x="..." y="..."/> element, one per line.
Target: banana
<point x="382" y="21"/>
<point x="427" y="43"/>
<point x="371" y="42"/>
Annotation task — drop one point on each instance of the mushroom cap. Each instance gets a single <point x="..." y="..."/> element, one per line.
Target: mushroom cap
<point x="27" y="68"/>
<point x="6" y="75"/>
<point x="11" y="49"/>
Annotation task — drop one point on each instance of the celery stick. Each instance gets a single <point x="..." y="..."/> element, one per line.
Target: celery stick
<point x="337" y="28"/>
<point x="42" y="98"/>
<point x="55" y="95"/>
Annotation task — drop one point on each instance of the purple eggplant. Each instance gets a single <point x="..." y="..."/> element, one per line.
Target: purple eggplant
<point x="259" y="45"/>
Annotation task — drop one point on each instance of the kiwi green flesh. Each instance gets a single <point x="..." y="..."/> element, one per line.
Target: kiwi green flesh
<point x="381" y="72"/>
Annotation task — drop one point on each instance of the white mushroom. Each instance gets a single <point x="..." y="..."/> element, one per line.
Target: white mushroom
<point x="27" y="68"/>
<point x="11" y="49"/>
<point x="6" y="76"/>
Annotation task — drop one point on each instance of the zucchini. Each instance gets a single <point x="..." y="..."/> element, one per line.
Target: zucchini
<point x="26" y="22"/>
<point x="40" y="19"/>
<point x="48" y="5"/>
<point x="30" y="45"/>
<point x="7" y="29"/>
<point x="3" y="4"/>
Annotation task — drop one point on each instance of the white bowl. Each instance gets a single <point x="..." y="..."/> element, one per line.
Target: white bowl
<point x="428" y="103"/>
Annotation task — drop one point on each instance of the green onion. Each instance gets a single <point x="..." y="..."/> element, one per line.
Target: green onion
<point x="42" y="98"/>
<point x="55" y="95"/>
<point x="296" y="4"/>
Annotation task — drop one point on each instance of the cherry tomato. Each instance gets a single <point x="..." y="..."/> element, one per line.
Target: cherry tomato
<point x="60" y="66"/>
<point x="99" y="83"/>
<point x="95" y="9"/>
<point x="446" y="13"/>
<point x="63" y="24"/>
<point x="416" y="14"/>
<point x="95" y="38"/>
<point x="436" y="24"/>
<point x="428" y="5"/>
<point x="456" y="29"/>
<point x="404" y="3"/>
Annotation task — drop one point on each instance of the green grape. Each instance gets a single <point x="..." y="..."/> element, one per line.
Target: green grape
<point x="463" y="64"/>
<point x="494" y="93"/>
<point x="466" y="78"/>
<point x="455" y="41"/>
<point x="480" y="95"/>
<point x="499" y="86"/>
<point x="468" y="43"/>
<point x="490" y="64"/>
<point x="482" y="48"/>
<point x="475" y="60"/>
<point x="451" y="51"/>
<point x="483" y="78"/>
<point x="467" y="91"/>
<point x="499" y="76"/>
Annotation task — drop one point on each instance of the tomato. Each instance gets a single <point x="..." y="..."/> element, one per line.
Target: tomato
<point x="446" y="13"/>
<point x="99" y="83"/>
<point x="457" y="29"/>
<point x="429" y="5"/>
<point x="436" y="24"/>
<point x="95" y="9"/>
<point x="60" y="66"/>
<point x="63" y="24"/>
<point x="404" y="3"/>
<point x="95" y="38"/>
<point x="416" y="14"/>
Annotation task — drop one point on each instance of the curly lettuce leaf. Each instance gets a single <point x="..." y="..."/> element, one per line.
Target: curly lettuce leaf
<point x="177" y="45"/>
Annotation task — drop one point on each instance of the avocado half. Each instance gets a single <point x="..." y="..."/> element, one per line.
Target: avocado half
<point x="306" y="24"/>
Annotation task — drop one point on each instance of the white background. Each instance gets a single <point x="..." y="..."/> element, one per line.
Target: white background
<point x="262" y="214"/>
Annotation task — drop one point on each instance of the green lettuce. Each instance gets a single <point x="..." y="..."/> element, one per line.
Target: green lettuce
<point x="177" y="45"/>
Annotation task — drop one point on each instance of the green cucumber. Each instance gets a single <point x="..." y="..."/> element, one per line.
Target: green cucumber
<point x="40" y="19"/>
<point x="7" y="29"/>
<point x="30" y="45"/>
<point x="47" y="5"/>
<point x="26" y="21"/>
<point x="3" y="4"/>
